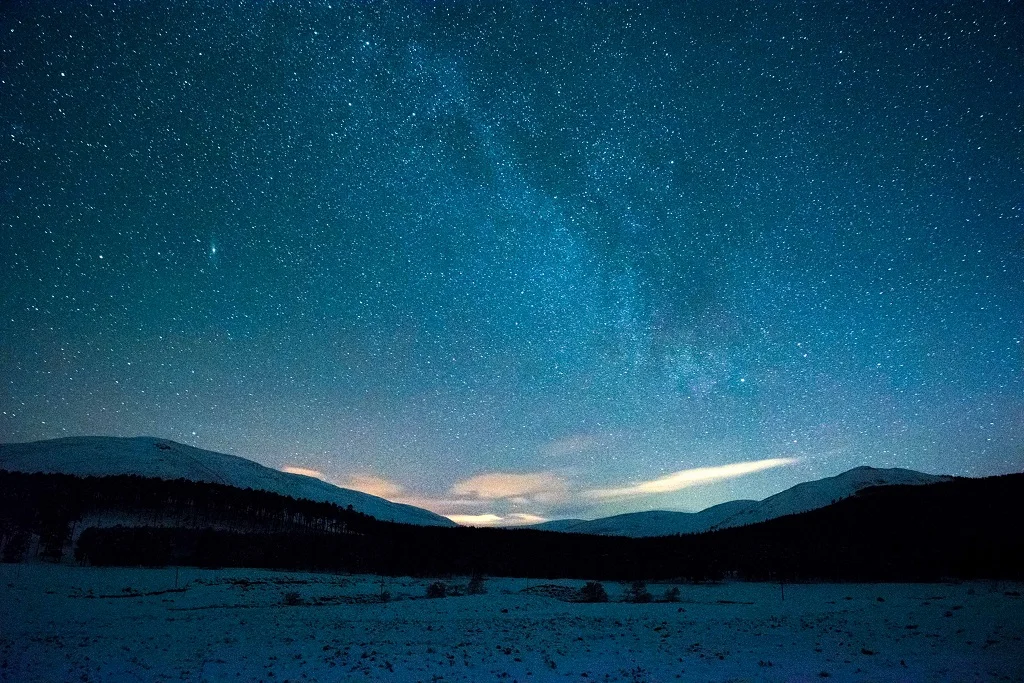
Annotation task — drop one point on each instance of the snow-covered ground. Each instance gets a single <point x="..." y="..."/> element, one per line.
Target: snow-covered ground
<point x="67" y="623"/>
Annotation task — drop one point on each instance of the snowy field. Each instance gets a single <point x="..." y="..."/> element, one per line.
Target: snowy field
<point x="65" y="623"/>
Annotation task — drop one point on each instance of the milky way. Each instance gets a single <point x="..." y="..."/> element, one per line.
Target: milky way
<point x="493" y="259"/>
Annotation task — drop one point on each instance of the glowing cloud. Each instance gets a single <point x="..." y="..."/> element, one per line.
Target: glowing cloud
<point x="304" y="471"/>
<point x="491" y="519"/>
<point x="442" y="506"/>
<point x="535" y="486"/>
<point x="692" y="477"/>
<point x="374" y="485"/>
<point x="524" y="518"/>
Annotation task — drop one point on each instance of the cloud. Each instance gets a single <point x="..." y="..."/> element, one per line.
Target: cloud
<point x="504" y="493"/>
<point x="503" y="498"/>
<point x="524" y="518"/>
<point x="442" y="506"/>
<point x="304" y="471"/>
<point x="491" y="519"/>
<point x="570" y="445"/>
<point x="367" y="483"/>
<point x="692" y="477"/>
<point x="482" y="491"/>
<point x="530" y="487"/>
<point x="374" y="485"/>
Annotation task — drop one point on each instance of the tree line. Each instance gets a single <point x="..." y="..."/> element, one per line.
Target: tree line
<point x="48" y="507"/>
<point x="962" y="529"/>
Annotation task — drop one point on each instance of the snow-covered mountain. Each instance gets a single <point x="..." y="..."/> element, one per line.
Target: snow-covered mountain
<point x="652" y="523"/>
<point x="99" y="456"/>
<point x="812" y="495"/>
<point x="554" y="525"/>
<point x="800" y="498"/>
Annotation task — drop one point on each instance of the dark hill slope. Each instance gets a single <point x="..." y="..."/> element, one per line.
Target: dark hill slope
<point x="965" y="528"/>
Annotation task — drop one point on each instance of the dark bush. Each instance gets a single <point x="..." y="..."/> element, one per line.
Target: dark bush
<point x="638" y="592"/>
<point x="593" y="592"/>
<point x="438" y="589"/>
<point x="476" y="586"/>
<point x="672" y="594"/>
<point x="17" y="546"/>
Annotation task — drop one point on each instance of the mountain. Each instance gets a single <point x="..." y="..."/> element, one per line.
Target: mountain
<point x="800" y="498"/>
<point x="99" y="456"/>
<point x="652" y="523"/>
<point x="960" y="528"/>
<point x="554" y="525"/>
<point x="812" y="495"/>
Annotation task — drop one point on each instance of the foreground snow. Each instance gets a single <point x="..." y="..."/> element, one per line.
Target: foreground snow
<point x="84" y="624"/>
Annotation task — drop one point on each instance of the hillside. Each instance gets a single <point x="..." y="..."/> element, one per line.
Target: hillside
<point x="99" y="456"/>
<point x="813" y="495"/>
<point x="652" y="523"/>
<point x="804" y="497"/>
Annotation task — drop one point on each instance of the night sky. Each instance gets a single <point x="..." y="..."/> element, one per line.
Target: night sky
<point x="520" y="260"/>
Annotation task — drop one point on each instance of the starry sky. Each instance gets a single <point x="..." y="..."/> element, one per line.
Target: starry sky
<point x="524" y="260"/>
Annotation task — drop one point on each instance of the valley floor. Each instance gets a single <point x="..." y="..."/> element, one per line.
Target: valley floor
<point x="66" y="623"/>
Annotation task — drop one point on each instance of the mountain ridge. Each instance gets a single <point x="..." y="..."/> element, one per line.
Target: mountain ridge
<point x="165" y="459"/>
<point x="803" y="497"/>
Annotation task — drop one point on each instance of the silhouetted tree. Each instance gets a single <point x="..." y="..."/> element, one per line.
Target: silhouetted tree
<point x="593" y="591"/>
<point x="476" y="585"/>
<point x="638" y="592"/>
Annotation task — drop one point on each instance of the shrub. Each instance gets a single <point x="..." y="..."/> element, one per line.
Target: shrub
<point x="638" y="592"/>
<point x="438" y="589"/>
<point x="593" y="592"/>
<point x="672" y="594"/>
<point x="476" y="586"/>
<point x="292" y="598"/>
